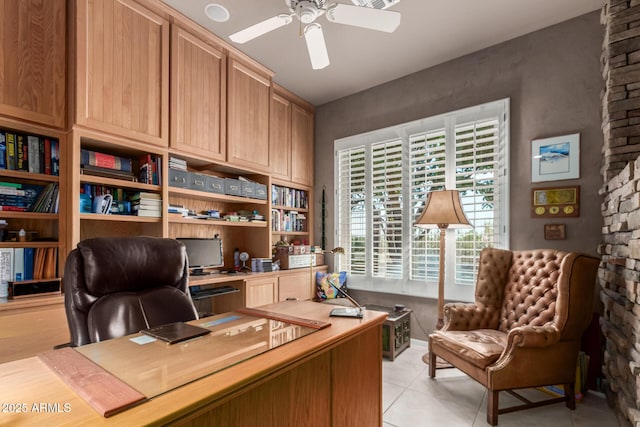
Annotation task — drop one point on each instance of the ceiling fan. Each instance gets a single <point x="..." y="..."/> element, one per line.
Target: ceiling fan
<point x="307" y="11"/>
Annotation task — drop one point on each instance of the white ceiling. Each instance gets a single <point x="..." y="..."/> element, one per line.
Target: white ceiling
<point x="431" y="32"/>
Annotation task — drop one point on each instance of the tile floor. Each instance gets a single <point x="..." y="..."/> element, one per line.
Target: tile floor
<point x="411" y="399"/>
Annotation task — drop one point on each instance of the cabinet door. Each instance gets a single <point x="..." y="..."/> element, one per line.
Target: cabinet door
<point x="295" y="285"/>
<point x="122" y="66"/>
<point x="301" y="146"/>
<point x="34" y="59"/>
<point x="248" y="109"/>
<point x="280" y="137"/>
<point x="198" y="96"/>
<point x="260" y="291"/>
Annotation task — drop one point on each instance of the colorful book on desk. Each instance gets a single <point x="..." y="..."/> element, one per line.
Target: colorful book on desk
<point x="175" y="332"/>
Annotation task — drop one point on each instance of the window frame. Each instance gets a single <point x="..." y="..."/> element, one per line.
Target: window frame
<point x="404" y="132"/>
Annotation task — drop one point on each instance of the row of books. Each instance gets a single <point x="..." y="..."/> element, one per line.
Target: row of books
<point x="124" y="202"/>
<point x="29" y="153"/>
<point x="148" y="169"/>
<point x="17" y="264"/>
<point x="147" y="204"/>
<point x="284" y="196"/>
<point x="19" y="197"/>
<point x="291" y="221"/>
<point x="151" y="169"/>
<point x="178" y="164"/>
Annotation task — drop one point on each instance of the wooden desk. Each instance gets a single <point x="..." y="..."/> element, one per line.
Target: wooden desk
<point x="332" y="377"/>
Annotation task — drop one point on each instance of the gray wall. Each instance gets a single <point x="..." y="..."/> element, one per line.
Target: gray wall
<point x="553" y="79"/>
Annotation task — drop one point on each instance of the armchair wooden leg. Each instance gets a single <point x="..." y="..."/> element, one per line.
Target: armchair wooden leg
<point x="570" y="395"/>
<point x="432" y="364"/>
<point x="492" y="407"/>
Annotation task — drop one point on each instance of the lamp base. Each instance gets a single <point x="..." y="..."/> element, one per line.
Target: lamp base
<point x="440" y="363"/>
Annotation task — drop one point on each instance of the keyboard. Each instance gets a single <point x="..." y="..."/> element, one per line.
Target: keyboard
<point x="198" y="292"/>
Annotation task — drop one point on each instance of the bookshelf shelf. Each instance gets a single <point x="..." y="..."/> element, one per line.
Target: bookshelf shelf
<point x="5" y="173"/>
<point x="289" y="208"/>
<point x="111" y="182"/>
<point x="220" y="223"/>
<point x="28" y="215"/>
<point x="29" y="244"/>
<point x="202" y="195"/>
<point x="118" y="218"/>
<point x="290" y="233"/>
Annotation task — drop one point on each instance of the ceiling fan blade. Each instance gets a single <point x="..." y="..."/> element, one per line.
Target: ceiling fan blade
<point x="364" y="17"/>
<point x="261" y="28"/>
<point x="316" y="46"/>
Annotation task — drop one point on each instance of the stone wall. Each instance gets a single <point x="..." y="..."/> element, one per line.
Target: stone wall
<point x="620" y="249"/>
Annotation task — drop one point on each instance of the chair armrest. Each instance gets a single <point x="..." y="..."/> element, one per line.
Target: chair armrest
<point x="527" y="337"/>
<point x="467" y="317"/>
<point x="533" y="336"/>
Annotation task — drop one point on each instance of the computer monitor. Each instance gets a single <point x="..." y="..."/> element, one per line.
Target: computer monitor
<point x="203" y="254"/>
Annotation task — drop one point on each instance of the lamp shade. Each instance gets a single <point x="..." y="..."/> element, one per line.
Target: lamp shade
<point x="443" y="210"/>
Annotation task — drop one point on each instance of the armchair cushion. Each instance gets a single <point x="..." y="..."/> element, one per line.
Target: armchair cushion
<point x="480" y="347"/>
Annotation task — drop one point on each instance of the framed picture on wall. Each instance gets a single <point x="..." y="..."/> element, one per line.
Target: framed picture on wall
<point x="554" y="159"/>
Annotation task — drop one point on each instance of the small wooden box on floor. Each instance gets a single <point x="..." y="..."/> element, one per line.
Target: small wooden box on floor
<point x="396" y="330"/>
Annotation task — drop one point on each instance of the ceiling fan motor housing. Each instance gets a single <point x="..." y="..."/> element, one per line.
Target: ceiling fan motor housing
<point x="306" y="10"/>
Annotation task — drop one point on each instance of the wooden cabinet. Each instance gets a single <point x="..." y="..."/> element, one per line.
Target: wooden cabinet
<point x="198" y="96"/>
<point x="291" y="137"/>
<point x="301" y="146"/>
<point x="122" y="70"/>
<point x="295" y="285"/>
<point x="31" y="326"/>
<point x="261" y="291"/>
<point x="280" y="136"/>
<point x="249" y="96"/>
<point x="34" y="60"/>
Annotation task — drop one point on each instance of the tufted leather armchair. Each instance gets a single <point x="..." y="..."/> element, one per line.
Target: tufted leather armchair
<point x="531" y="309"/>
<point x="118" y="286"/>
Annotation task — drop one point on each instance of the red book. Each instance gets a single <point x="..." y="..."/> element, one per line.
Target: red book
<point x="47" y="156"/>
<point x="13" y="208"/>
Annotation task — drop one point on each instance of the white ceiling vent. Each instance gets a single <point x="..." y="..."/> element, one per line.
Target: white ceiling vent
<point x="375" y="4"/>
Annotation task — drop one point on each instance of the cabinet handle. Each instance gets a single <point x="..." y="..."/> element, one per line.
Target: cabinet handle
<point x="198" y="182"/>
<point x="179" y="179"/>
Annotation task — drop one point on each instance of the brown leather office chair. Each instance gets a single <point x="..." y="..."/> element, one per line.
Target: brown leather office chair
<point x="118" y="286"/>
<point x="531" y="309"/>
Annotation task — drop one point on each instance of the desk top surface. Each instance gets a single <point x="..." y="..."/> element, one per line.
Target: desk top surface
<point x="32" y="394"/>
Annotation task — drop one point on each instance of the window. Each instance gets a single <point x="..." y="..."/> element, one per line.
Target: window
<point x="382" y="181"/>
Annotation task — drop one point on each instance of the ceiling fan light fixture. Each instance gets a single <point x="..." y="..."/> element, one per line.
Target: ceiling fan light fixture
<point x="316" y="46"/>
<point x="216" y="12"/>
<point x="261" y="28"/>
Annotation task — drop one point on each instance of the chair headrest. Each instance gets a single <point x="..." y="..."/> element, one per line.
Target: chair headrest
<point x="131" y="264"/>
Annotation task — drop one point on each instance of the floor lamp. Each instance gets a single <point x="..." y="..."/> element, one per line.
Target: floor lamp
<point x="442" y="210"/>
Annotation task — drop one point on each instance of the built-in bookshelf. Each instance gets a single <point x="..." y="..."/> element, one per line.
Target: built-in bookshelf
<point x="30" y="203"/>
<point x="290" y="214"/>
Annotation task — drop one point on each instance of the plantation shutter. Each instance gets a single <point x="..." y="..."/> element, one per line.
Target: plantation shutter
<point x="476" y="177"/>
<point x="386" y="207"/>
<point x="352" y="220"/>
<point x="427" y="170"/>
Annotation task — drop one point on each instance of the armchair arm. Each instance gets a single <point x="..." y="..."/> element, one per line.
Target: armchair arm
<point x="533" y="336"/>
<point x="527" y="336"/>
<point x="466" y="317"/>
